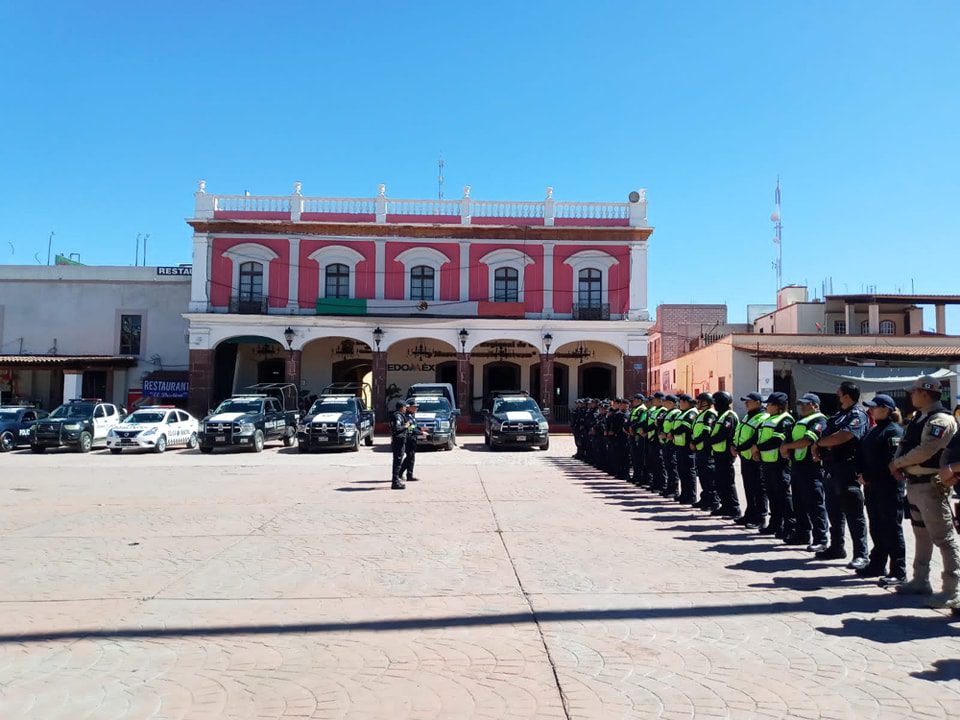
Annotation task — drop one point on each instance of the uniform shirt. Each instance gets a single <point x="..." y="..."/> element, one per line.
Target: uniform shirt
<point x="398" y="425"/>
<point x="723" y="430"/>
<point x="951" y="454"/>
<point x="937" y="434"/>
<point x="877" y="449"/>
<point x="854" y="421"/>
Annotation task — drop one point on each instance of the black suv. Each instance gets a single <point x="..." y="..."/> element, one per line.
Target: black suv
<point x="15" y="424"/>
<point x="515" y="419"/>
<point x="249" y="421"/>
<point x="435" y="415"/>
<point x="76" y="424"/>
<point x="337" y="419"/>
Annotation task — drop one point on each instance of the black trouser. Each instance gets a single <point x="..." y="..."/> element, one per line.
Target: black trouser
<point x="688" y="477"/>
<point x="845" y="505"/>
<point x="397" y="444"/>
<point x="670" y="465"/>
<point x="776" y="483"/>
<point x="638" y="455"/>
<point x="706" y="473"/>
<point x="621" y="456"/>
<point x="655" y="469"/>
<point x="410" y="459"/>
<point x="806" y="481"/>
<point x="757" y="506"/>
<point x="726" y="482"/>
<point x="884" y="500"/>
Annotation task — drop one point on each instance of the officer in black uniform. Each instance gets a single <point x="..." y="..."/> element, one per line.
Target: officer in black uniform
<point x="576" y="427"/>
<point x="884" y="494"/>
<point x="398" y="441"/>
<point x="619" y="438"/>
<point x="410" y="446"/>
<point x="702" y="427"/>
<point x="721" y="441"/>
<point x="600" y="459"/>
<point x="683" y="447"/>
<point x="838" y="447"/>
<point x="638" y="450"/>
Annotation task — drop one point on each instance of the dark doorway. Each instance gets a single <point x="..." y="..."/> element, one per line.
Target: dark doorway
<point x="94" y="385"/>
<point x="272" y="370"/>
<point x="224" y="367"/>
<point x="500" y="376"/>
<point x="447" y="373"/>
<point x="350" y="371"/>
<point x="597" y="381"/>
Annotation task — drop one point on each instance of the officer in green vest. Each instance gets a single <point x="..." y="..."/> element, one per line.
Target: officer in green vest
<point x="702" y="426"/>
<point x="773" y="468"/>
<point x="668" y="449"/>
<point x="683" y="447"/>
<point x="656" y="478"/>
<point x="638" y="418"/>
<point x="745" y="446"/>
<point x="806" y="475"/>
<point x="721" y="440"/>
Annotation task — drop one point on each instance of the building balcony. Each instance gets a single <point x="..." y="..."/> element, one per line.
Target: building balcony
<point x="248" y="306"/>
<point x="591" y="312"/>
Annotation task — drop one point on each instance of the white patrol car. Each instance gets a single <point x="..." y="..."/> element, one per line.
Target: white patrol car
<point x="154" y="427"/>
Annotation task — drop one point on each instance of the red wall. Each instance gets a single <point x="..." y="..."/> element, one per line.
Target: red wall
<point x="449" y="274"/>
<point x="311" y="276"/>
<point x="565" y="289"/>
<point x="221" y="271"/>
<point x="532" y="274"/>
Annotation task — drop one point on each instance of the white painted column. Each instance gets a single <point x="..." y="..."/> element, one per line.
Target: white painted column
<point x="849" y="317"/>
<point x="638" y="282"/>
<point x="72" y="384"/>
<point x="873" y="319"/>
<point x="941" y="318"/>
<point x="464" y="271"/>
<point x="293" y="302"/>
<point x="380" y="268"/>
<point x="548" y="279"/>
<point x="199" y="299"/>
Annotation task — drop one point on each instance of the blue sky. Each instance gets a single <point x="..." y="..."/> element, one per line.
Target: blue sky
<point x="108" y="119"/>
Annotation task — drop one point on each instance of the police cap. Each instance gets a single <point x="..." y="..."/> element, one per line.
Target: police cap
<point x="755" y="396"/>
<point x="809" y="399"/>
<point x="400" y="405"/>
<point x="658" y="395"/>
<point x="412" y="402"/>
<point x="686" y="398"/>
<point x="670" y="398"/>
<point x="639" y="396"/>
<point x="928" y="383"/>
<point x="884" y="401"/>
<point x="778" y="398"/>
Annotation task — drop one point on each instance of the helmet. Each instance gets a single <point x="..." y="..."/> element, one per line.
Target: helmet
<point x="722" y="399"/>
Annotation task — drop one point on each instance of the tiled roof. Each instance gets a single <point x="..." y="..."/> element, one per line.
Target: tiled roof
<point x="878" y="350"/>
<point x="61" y="360"/>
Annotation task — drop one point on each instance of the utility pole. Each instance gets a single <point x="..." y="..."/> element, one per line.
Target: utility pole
<point x="49" y="247"/>
<point x="775" y="218"/>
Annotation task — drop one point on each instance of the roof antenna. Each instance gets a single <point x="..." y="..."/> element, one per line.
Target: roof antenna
<point x="440" y="178"/>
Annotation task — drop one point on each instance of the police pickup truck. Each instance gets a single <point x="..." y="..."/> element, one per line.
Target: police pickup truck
<point x="515" y="419"/>
<point x="337" y="419"/>
<point x="76" y="424"/>
<point x="435" y="415"/>
<point x="251" y="420"/>
<point x="15" y="424"/>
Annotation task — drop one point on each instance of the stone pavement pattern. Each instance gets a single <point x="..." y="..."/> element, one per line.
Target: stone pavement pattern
<point x="504" y="585"/>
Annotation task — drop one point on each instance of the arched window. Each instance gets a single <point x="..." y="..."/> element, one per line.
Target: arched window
<point x="506" y="285"/>
<point x="422" y="283"/>
<point x="589" y="289"/>
<point x="865" y="327"/>
<point x="888" y="327"/>
<point x="337" y="281"/>
<point x="251" y="282"/>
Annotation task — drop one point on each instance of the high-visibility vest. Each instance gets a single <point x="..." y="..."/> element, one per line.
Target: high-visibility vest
<point x="722" y="445"/>
<point x="686" y="419"/>
<point x="768" y="431"/>
<point x="700" y="429"/>
<point x="669" y="421"/>
<point x="802" y="430"/>
<point x="747" y="429"/>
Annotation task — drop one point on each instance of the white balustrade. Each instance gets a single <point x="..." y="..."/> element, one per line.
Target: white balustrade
<point x="506" y="209"/>
<point x="340" y="206"/>
<point x="592" y="210"/>
<point x="423" y="207"/>
<point x="252" y="203"/>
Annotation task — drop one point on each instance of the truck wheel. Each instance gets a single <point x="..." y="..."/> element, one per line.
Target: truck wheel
<point x="302" y="448"/>
<point x="193" y="441"/>
<point x="161" y="445"/>
<point x="206" y="450"/>
<point x="37" y="448"/>
<point x="368" y="440"/>
<point x="290" y="438"/>
<point x="116" y="451"/>
<point x="486" y="439"/>
<point x="7" y="442"/>
<point x="86" y="442"/>
<point x="258" y="441"/>
<point x="450" y="443"/>
<point x="356" y="443"/>
<point x="546" y="445"/>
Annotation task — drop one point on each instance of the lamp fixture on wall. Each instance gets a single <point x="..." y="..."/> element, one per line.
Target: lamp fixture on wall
<point x="288" y="335"/>
<point x="463" y="335"/>
<point x="547" y="342"/>
<point x="377" y="336"/>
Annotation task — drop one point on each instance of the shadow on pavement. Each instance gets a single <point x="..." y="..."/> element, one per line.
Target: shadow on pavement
<point x="899" y="628"/>
<point x="942" y="670"/>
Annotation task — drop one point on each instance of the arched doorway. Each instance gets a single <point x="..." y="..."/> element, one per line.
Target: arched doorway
<point x="500" y="376"/>
<point x="239" y="362"/>
<point x="597" y="380"/>
<point x="272" y="370"/>
<point x="560" y="402"/>
<point x="335" y="359"/>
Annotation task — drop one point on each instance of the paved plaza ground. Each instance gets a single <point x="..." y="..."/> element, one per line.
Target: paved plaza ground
<point x="503" y="585"/>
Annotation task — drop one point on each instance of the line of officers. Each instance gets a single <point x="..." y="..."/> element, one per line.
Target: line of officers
<point x="806" y="477"/>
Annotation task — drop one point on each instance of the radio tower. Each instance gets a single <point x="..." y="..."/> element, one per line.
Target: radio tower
<point x="778" y="236"/>
<point x="440" y="179"/>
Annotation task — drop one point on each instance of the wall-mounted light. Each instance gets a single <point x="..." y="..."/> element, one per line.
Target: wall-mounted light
<point x="288" y="335"/>
<point x="547" y="342"/>
<point x="463" y="335"/>
<point x="377" y="336"/>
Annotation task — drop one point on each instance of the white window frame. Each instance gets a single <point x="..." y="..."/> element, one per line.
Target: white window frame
<point x="247" y="252"/>
<point x="337" y="255"/>
<point x="505" y="257"/>
<point x="415" y="257"/>
<point x="887" y="323"/>
<point x="118" y="325"/>
<point x="592" y="260"/>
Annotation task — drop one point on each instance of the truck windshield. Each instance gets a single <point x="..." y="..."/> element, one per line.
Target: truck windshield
<point x="433" y="404"/>
<point x="74" y="410"/>
<point x="145" y="416"/>
<point x="330" y="406"/>
<point x="240" y="406"/>
<point x="525" y="405"/>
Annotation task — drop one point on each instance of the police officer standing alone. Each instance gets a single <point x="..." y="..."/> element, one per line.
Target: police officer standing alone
<point x="410" y="447"/>
<point x="883" y="493"/>
<point x="398" y="441"/>
<point x="841" y="440"/>
<point x="918" y="462"/>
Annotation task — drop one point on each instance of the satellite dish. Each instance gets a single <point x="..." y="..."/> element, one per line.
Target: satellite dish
<point x="634" y="196"/>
